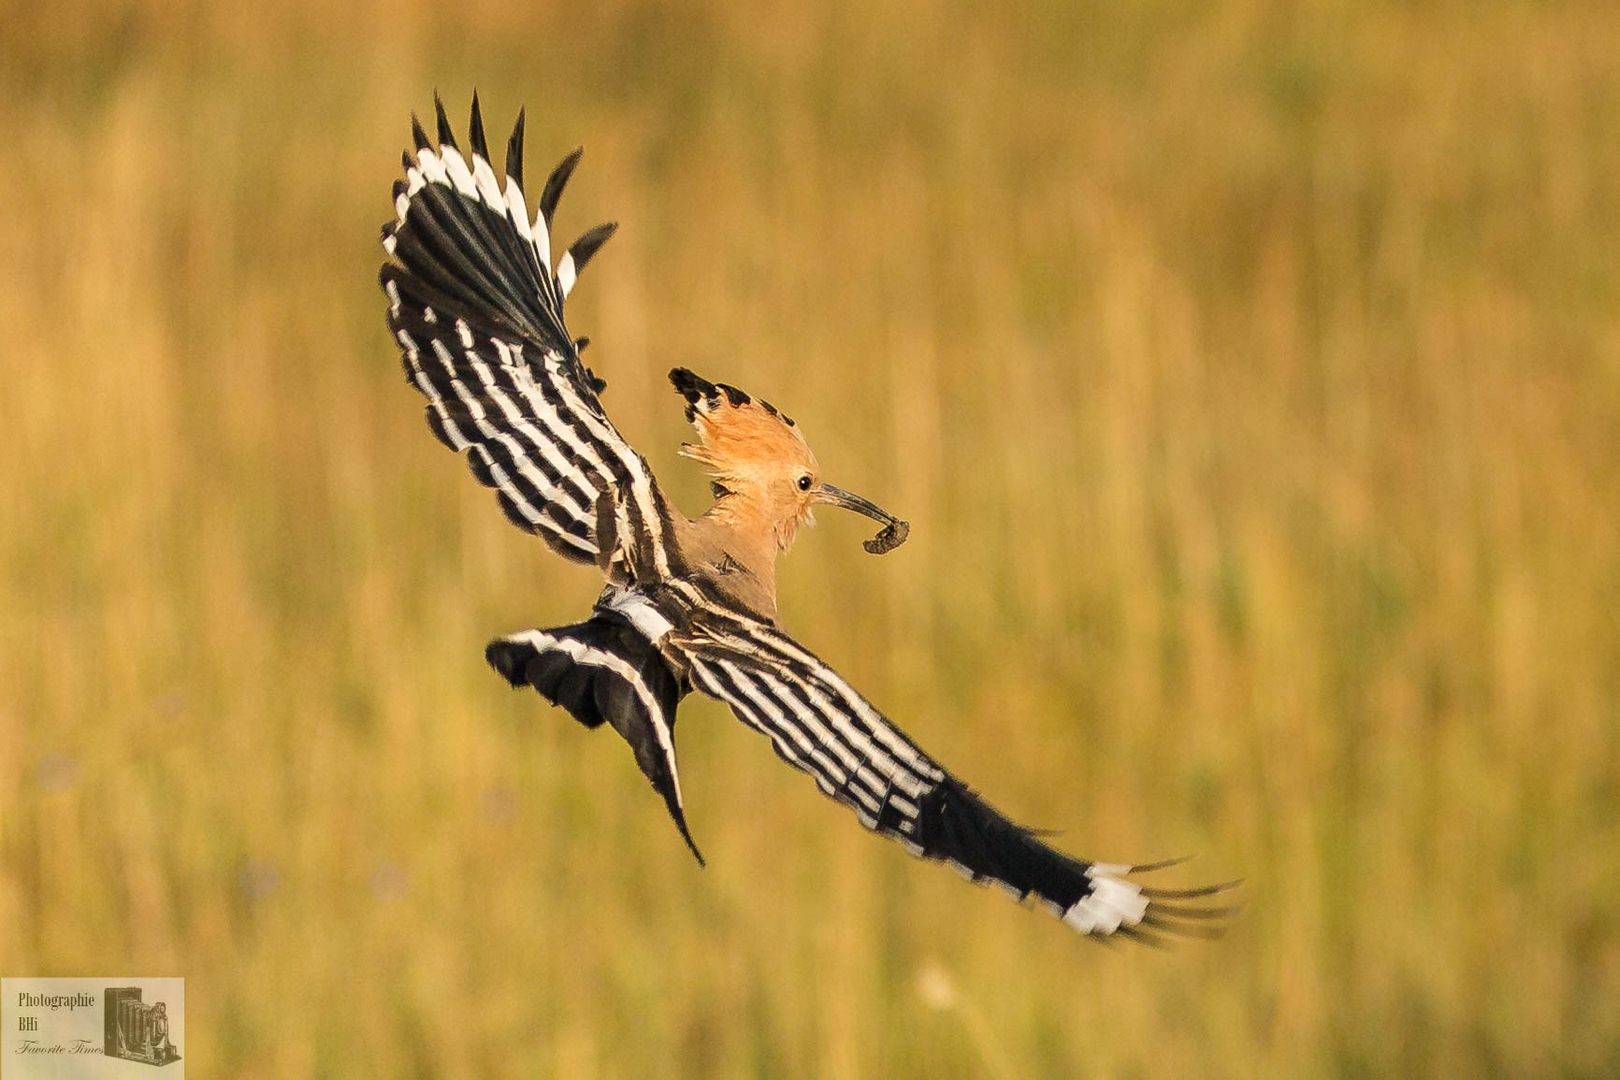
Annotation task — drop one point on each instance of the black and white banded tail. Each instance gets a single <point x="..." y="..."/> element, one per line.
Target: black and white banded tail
<point x="606" y="670"/>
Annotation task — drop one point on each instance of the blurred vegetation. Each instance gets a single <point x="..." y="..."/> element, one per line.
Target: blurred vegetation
<point x="1250" y="374"/>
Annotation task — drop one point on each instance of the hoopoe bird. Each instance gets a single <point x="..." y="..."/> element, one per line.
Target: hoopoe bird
<point x="689" y="603"/>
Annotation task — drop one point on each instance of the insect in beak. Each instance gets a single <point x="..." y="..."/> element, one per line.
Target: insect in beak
<point x="894" y="531"/>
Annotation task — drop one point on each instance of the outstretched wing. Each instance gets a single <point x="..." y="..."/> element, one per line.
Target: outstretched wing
<point x="818" y="723"/>
<point x="477" y="309"/>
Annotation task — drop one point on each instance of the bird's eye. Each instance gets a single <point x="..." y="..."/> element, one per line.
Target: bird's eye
<point x="804" y="482"/>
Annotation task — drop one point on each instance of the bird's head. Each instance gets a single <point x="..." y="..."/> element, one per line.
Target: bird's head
<point x="761" y="464"/>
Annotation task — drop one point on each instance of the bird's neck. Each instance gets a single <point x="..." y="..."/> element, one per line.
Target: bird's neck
<point x="739" y="527"/>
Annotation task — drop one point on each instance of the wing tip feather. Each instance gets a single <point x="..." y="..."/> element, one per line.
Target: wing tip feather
<point x="475" y="130"/>
<point x="447" y="137"/>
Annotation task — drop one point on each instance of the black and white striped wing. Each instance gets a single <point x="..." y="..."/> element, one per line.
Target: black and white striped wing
<point x="477" y="309"/>
<point x="818" y="723"/>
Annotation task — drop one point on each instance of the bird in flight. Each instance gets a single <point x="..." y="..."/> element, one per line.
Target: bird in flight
<point x="476" y="306"/>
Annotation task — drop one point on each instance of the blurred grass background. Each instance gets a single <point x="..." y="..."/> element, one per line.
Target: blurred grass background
<point x="1250" y="374"/>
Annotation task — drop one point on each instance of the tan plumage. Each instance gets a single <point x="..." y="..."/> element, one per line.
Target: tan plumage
<point x="766" y="482"/>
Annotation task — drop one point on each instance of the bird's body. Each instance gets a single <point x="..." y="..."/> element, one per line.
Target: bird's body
<point x="689" y="602"/>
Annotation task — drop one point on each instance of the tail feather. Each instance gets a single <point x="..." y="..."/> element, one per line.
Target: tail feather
<point x="605" y="669"/>
<point x="558" y="677"/>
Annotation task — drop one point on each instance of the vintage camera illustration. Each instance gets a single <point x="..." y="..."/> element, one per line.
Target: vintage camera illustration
<point x="137" y="1030"/>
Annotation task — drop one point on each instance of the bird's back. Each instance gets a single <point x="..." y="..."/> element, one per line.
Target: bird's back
<point x="738" y="562"/>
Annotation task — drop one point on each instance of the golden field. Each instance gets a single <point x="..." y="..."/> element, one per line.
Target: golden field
<point x="1250" y="376"/>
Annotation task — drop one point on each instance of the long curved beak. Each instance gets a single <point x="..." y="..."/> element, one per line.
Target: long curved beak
<point x="894" y="531"/>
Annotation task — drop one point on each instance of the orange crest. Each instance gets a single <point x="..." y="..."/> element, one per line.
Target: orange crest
<point x="748" y="445"/>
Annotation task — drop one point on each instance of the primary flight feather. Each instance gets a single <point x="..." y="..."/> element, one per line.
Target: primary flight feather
<point x="476" y="304"/>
